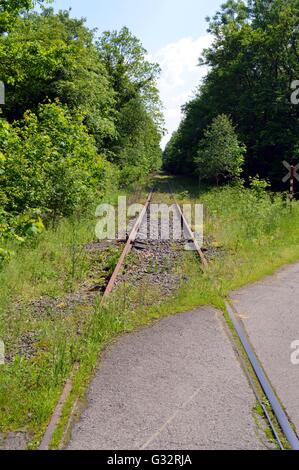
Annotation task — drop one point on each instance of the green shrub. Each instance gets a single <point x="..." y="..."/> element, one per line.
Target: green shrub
<point x="49" y="168"/>
<point x="247" y="215"/>
<point x="220" y="155"/>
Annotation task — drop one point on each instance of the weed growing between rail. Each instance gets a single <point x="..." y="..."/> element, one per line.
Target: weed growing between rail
<point x="46" y="317"/>
<point x="248" y="235"/>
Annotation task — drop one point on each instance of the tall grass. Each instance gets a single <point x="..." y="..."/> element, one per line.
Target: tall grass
<point x="253" y="231"/>
<point x="250" y="231"/>
<point x="43" y="343"/>
<point x="29" y="386"/>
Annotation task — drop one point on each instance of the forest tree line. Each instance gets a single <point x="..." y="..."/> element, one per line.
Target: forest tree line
<point x="245" y="99"/>
<point x="82" y="113"/>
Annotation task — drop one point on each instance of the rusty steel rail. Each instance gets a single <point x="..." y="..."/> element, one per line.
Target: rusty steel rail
<point x="45" y="443"/>
<point x="190" y="233"/>
<point x="192" y="236"/>
<point x="127" y="249"/>
<point x="278" y="410"/>
<point x="46" y="440"/>
<point x="264" y="382"/>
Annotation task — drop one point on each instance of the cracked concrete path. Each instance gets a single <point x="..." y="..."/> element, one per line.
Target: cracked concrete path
<point x="174" y="386"/>
<point x="269" y="310"/>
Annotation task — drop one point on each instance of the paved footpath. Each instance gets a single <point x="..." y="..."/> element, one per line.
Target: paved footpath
<point x="175" y="385"/>
<point x="270" y="312"/>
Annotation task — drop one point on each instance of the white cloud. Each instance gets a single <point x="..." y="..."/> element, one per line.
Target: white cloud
<point x="180" y="76"/>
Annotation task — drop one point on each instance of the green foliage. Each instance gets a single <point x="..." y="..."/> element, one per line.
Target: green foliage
<point x="10" y="9"/>
<point x="252" y="63"/>
<point x="52" y="56"/>
<point x="138" y="118"/>
<point x="252" y="216"/>
<point x="131" y="74"/>
<point x="259" y="186"/>
<point x="138" y="151"/>
<point x="49" y="56"/>
<point x="50" y="162"/>
<point x="80" y="116"/>
<point x="49" y="167"/>
<point x="220" y="153"/>
<point x="17" y="229"/>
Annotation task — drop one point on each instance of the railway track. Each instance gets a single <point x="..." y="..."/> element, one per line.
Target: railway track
<point x="134" y="241"/>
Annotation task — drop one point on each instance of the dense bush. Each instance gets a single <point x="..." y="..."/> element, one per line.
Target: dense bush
<point x="50" y="162"/>
<point x="53" y="56"/>
<point x="81" y="114"/>
<point x="49" y="167"/>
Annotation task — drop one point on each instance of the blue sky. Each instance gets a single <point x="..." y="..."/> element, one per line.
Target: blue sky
<point x="173" y="32"/>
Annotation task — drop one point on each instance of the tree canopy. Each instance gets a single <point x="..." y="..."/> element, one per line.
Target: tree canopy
<point x="252" y="63"/>
<point x="10" y="9"/>
<point x="80" y="112"/>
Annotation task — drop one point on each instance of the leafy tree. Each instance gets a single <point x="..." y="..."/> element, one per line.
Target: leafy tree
<point x="52" y="56"/>
<point x="131" y="74"/>
<point x="48" y="56"/>
<point x="252" y="61"/>
<point x="138" y="117"/>
<point x="79" y="117"/>
<point x="49" y="162"/>
<point x="220" y="153"/>
<point x="10" y="9"/>
<point x="139" y="150"/>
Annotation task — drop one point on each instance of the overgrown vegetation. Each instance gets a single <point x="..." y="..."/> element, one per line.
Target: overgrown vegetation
<point x="234" y="260"/>
<point x="81" y="112"/>
<point x="82" y="119"/>
<point x="250" y="232"/>
<point x="47" y="303"/>
<point x="252" y="63"/>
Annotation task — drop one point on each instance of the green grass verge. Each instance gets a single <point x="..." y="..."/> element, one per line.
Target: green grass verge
<point x="45" y="325"/>
<point x="256" y="234"/>
<point x="249" y="232"/>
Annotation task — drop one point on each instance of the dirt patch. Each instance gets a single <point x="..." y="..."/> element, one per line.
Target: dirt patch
<point x="53" y="307"/>
<point x="212" y="249"/>
<point x="99" y="246"/>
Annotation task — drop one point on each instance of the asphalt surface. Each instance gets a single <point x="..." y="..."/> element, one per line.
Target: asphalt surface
<point x="270" y="312"/>
<point x="174" y="386"/>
